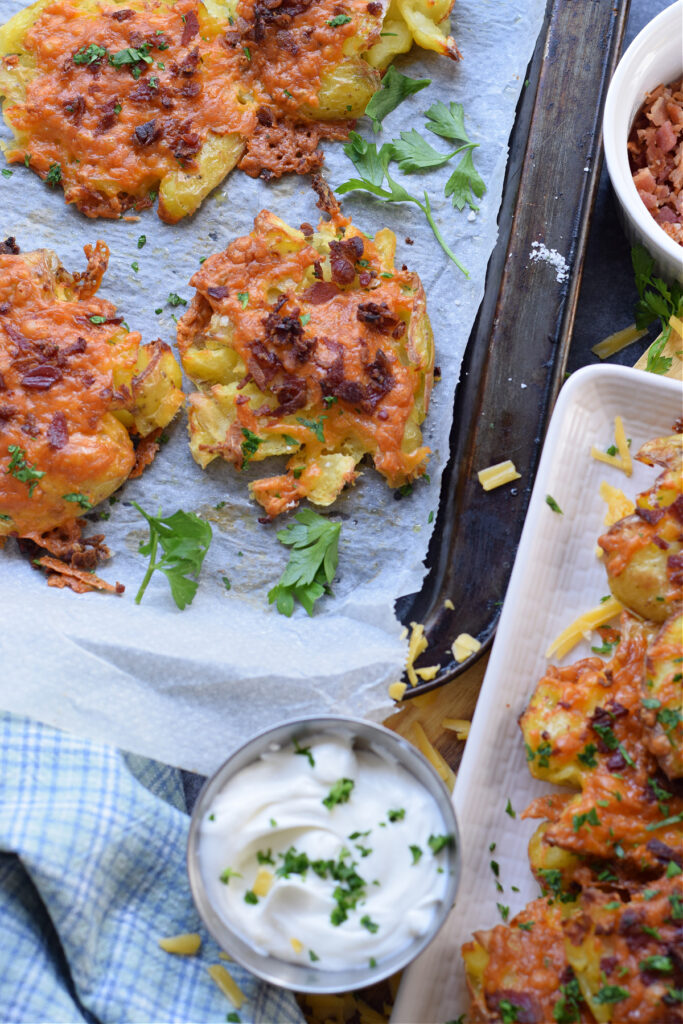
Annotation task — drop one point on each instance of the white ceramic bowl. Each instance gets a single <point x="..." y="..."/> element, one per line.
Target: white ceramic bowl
<point x="304" y="978"/>
<point x="654" y="56"/>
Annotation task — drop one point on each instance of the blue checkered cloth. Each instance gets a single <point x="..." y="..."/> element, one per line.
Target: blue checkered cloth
<point x="92" y="875"/>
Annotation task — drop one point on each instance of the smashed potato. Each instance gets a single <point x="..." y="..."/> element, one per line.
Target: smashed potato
<point x="77" y="389"/>
<point x="644" y="551"/>
<point x="310" y="345"/>
<point x="117" y="104"/>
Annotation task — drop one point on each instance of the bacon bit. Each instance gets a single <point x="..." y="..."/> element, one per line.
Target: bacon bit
<point x="320" y="293"/>
<point x="9" y="247"/>
<point x="655" y="150"/>
<point x="343" y="258"/>
<point x="41" y="378"/>
<point x="122" y="15"/>
<point x="380" y="318"/>
<point x="188" y="66"/>
<point x="191" y="28"/>
<point x="145" y="453"/>
<point x="7" y="412"/>
<point x="217" y="292"/>
<point x="374" y="8"/>
<point x="147" y="133"/>
<point x="57" y="432"/>
<point x="63" y="575"/>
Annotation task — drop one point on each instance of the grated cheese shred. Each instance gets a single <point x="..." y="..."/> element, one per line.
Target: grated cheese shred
<point x="263" y="882"/>
<point x="463" y="646"/>
<point x="396" y="690"/>
<point x="417" y="645"/>
<point x="582" y="627"/>
<point x="496" y="476"/>
<point x="622" y="460"/>
<point x="614" y="343"/>
<point x="186" y="944"/>
<point x="227" y="984"/>
<point x="419" y="738"/>
<point x="460" y="726"/>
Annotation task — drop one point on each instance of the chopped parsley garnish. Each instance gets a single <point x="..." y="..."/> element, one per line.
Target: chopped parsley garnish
<point x="509" y="809"/>
<point x="676" y="907"/>
<point x="233" y="1017"/>
<point x="339" y="794"/>
<point x="250" y="896"/>
<point x="567" y="1009"/>
<point x="607" y="736"/>
<point x="133" y="56"/>
<point x="175" y="300"/>
<point x="606" y="648"/>
<point x="416" y="852"/>
<point x="305" y="318"/>
<point x="6" y="173"/>
<point x="243" y="298"/>
<point x="587" y="755"/>
<point x="525" y="926"/>
<point x="395" y="88"/>
<point x="226" y="582"/>
<point x="95" y="319"/>
<point x="437" y="843"/>
<point x="80" y="499"/>
<point x="135" y="266"/>
<point x="247" y="52"/>
<point x="495" y="867"/>
<point x="304" y="752"/>
<point x="226" y="875"/>
<point x="673" y="869"/>
<point x="184" y="539"/>
<point x="503" y="911"/>
<point x="89" y="54"/>
<point x="673" y="820"/>
<point x="317" y="426"/>
<point x="313" y="956"/>
<point x="588" y="818"/>
<point x="339" y="19"/>
<point x="369" y="924"/>
<point x="509" y="1012"/>
<point x="54" y="175"/>
<point x="613" y="905"/>
<point x="21" y="470"/>
<point x="609" y="994"/>
<point x="293" y="863"/>
<point x="549" y="500"/>
<point x="250" y="446"/>
<point x="669" y="719"/>
<point x="142" y="241"/>
<point x="397" y="815"/>
<point x="663" y="964"/>
<point x="272" y="822"/>
<point x="372" y="962"/>
<point x="312" y="563"/>
<point x="265" y="858"/>
<point x="651" y="931"/>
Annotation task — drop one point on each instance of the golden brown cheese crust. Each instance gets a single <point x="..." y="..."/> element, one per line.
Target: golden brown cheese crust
<point x="313" y="346"/>
<point x="75" y="384"/>
<point x="115" y="103"/>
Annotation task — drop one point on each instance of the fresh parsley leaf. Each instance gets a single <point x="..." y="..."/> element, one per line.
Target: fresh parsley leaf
<point x="416" y="852"/>
<point x="54" y="175"/>
<point x="372" y="167"/>
<point x="657" y="301"/>
<point x="465" y="183"/>
<point x="175" y="300"/>
<point x="397" y="815"/>
<point x="339" y="794"/>
<point x="509" y="809"/>
<point x="132" y="55"/>
<point x="587" y="755"/>
<point x="250" y="446"/>
<point x="227" y="874"/>
<point x="20" y="469"/>
<point x="142" y="241"/>
<point x="673" y="869"/>
<point x="89" y="54"/>
<point x="610" y="994"/>
<point x="313" y="956"/>
<point x="663" y="964"/>
<point x="250" y="897"/>
<point x="395" y="89"/>
<point x="243" y="298"/>
<point x="81" y="499"/>
<point x="312" y="563"/>
<point x="549" y="500"/>
<point x="184" y="540"/>
<point x="413" y="153"/>
<point x="448" y="122"/>
<point x="6" y="173"/>
<point x="339" y="19"/>
<point x="437" y="843"/>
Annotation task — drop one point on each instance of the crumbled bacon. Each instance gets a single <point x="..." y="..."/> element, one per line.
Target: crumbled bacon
<point x="7" y="412"/>
<point x="9" y="247"/>
<point x="218" y="291"/>
<point x="188" y="65"/>
<point x="674" y="569"/>
<point x="343" y="258"/>
<point x="57" y="432"/>
<point x="320" y="293"/>
<point x="63" y="575"/>
<point x="123" y="15"/>
<point x="263" y="364"/>
<point x="277" y="13"/>
<point x="41" y="377"/>
<point x="367" y="396"/>
<point x="655" y="149"/>
<point x="74" y="107"/>
<point x="145" y="453"/>
<point x="380" y="318"/>
<point x="291" y="395"/>
<point x="147" y="133"/>
<point x="109" y="115"/>
<point x="374" y="7"/>
<point x="190" y="28"/>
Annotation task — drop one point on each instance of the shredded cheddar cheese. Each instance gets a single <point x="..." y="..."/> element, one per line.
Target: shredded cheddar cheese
<point x="463" y="646"/>
<point x="460" y="726"/>
<point x="582" y="627"/>
<point x="449" y="605"/>
<point x="417" y="645"/>
<point x="618" y="505"/>
<point x="186" y="944"/>
<point x="427" y="673"/>
<point x="227" y="984"/>
<point x="297" y="946"/>
<point x="496" y="476"/>
<point x="419" y="738"/>
<point x="262" y="882"/>
<point x="615" y="342"/>
<point x="396" y="690"/>
<point x="622" y="460"/>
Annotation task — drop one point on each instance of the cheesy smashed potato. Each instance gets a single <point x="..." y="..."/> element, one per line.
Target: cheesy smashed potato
<point x="118" y="102"/>
<point x="313" y="346"/>
<point x="604" y="942"/>
<point x="78" y="392"/>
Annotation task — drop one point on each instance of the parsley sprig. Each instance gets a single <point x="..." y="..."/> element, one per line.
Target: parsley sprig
<point x="373" y="169"/>
<point x="184" y="540"/>
<point x="314" y="541"/>
<point x="395" y="89"/>
<point x="21" y="470"/>
<point x="657" y="301"/>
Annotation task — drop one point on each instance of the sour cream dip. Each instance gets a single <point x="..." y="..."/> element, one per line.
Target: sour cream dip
<point x="325" y="854"/>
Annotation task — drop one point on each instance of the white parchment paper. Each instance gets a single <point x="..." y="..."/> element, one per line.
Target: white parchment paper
<point x="186" y="687"/>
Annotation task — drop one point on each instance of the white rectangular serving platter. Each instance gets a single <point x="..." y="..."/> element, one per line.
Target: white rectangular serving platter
<point x="556" y="576"/>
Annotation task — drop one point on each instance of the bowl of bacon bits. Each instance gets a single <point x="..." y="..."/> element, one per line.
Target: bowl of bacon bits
<point x="643" y="138"/>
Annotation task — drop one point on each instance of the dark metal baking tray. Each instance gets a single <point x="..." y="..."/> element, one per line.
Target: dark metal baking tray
<point x="515" y="360"/>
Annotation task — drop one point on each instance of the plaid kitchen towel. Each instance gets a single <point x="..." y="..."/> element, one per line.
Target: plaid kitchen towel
<point x="92" y="875"/>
